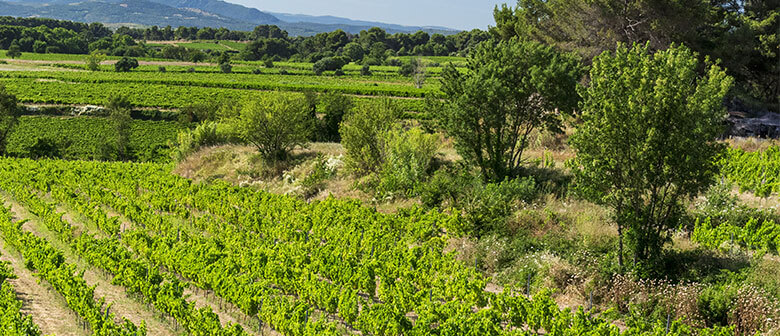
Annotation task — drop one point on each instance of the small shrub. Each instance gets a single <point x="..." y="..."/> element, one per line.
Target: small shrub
<point x="275" y="125"/>
<point x="191" y="70"/>
<point x="334" y="106"/>
<point x="226" y="68"/>
<point x="205" y="135"/>
<point x="257" y="71"/>
<point x="315" y="179"/>
<point x="715" y="304"/>
<point x="268" y="63"/>
<point x="394" y="62"/>
<point x="162" y="69"/>
<point x="407" y="69"/>
<point x="45" y="148"/>
<point x="361" y="134"/>
<point x="407" y="157"/>
<point x="93" y="61"/>
<point x="339" y="73"/>
<point x="329" y="64"/>
<point x="365" y="70"/>
<point x="283" y="72"/>
<point x="126" y="64"/>
<point x="486" y="207"/>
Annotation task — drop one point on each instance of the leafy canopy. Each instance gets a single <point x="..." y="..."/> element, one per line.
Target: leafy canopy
<point x="509" y="89"/>
<point x="647" y="141"/>
<point x="275" y="125"/>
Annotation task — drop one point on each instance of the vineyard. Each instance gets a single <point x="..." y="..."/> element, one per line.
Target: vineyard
<point x="329" y="267"/>
<point x="396" y="87"/>
<point x="758" y="172"/>
<point x="89" y="138"/>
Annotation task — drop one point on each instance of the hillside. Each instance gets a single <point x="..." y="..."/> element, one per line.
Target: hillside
<point x="137" y="12"/>
<point x="198" y="13"/>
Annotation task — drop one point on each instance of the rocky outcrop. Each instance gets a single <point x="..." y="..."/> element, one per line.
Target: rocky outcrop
<point x="748" y="122"/>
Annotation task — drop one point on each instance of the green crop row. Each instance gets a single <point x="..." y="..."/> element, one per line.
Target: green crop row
<point x="758" y="172"/>
<point x="89" y="138"/>
<point x="240" y="81"/>
<point x="31" y="90"/>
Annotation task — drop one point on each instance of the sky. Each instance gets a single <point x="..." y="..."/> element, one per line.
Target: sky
<point x="458" y="14"/>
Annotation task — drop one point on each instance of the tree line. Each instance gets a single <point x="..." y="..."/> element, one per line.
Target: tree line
<point x="267" y="42"/>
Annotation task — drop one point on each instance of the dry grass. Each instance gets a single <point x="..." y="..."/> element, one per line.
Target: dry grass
<point x="121" y="304"/>
<point x="48" y="309"/>
<point x="241" y="165"/>
<point x="752" y="144"/>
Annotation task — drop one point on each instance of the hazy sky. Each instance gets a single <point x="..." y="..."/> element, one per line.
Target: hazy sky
<point x="459" y="14"/>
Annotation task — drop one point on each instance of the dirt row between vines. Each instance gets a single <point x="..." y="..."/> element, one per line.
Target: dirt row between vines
<point x="48" y="309"/>
<point x="121" y="304"/>
<point x="227" y="312"/>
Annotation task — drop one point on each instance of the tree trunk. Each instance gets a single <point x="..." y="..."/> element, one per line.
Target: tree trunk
<point x="620" y="246"/>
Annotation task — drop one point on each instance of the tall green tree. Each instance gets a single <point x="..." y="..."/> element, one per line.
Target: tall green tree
<point x="9" y="115"/>
<point x="510" y="88"/>
<point x="743" y="34"/>
<point x="648" y="140"/>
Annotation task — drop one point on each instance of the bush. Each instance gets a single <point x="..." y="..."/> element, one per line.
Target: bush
<point x="485" y="206"/>
<point x="283" y="72"/>
<point x="120" y="108"/>
<point x="201" y="112"/>
<point x="162" y="69"/>
<point x="408" y="68"/>
<point x="394" y="62"/>
<point x="226" y="68"/>
<point x="269" y="63"/>
<point x="206" y="134"/>
<point x="329" y="64"/>
<point x="257" y="71"/>
<point x="715" y="304"/>
<point x="275" y="125"/>
<point x="339" y="73"/>
<point x="45" y="148"/>
<point x="366" y="70"/>
<point x="126" y="64"/>
<point x="191" y="70"/>
<point x="334" y="106"/>
<point x="315" y="179"/>
<point x="407" y="157"/>
<point x="93" y="61"/>
<point x="361" y="136"/>
<point x="9" y="115"/>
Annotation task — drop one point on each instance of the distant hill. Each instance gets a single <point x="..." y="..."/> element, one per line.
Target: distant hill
<point x="315" y="22"/>
<point x="199" y="13"/>
<point x="225" y="9"/>
<point x="136" y="12"/>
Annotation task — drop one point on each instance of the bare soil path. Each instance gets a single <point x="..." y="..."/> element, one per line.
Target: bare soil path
<point x="48" y="309"/>
<point x="121" y="304"/>
<point x="227" y="312"/>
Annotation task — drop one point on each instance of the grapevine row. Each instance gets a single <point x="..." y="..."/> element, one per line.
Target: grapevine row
<point x="381" y="274"/>
<point x="12" y="321"/>
<point x="51" y="266"/>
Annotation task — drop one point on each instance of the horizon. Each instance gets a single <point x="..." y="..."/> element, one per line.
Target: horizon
<point x="457" y="14"/>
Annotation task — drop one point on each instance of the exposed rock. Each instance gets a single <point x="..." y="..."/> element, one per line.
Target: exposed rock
<point x="747" y="122"/>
